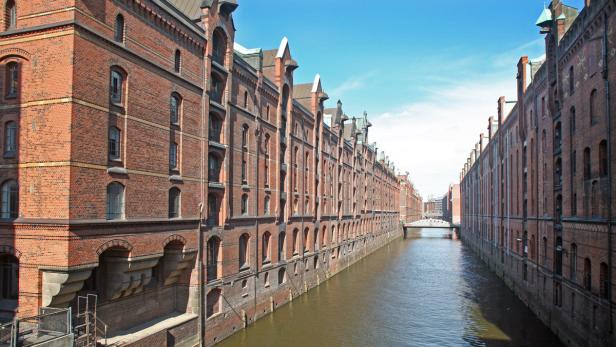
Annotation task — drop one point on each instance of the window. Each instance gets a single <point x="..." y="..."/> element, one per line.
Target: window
<point x="244" y="154"/>
<point x="213" y="168"/>
<point x="117" y="87"/>
<point x="266" y="163"/>
<point x="603" y="162"/>
<point x="572" y="122"/>
<point x="12" y="79"/>
<point x="587" y="274"/>
<point x="213" y="302"/>
<point x="282" y="276"/>
<point x="215" y="129"/>
<point x="282" y="249"/>
<point x="587" y="172"/>
<point x="213" y="254"/>
<point x="10" y="200"/>
<point x="574" y="205"/>
<point x="177" y="61"/>
<point x="573" y="265"/>
<point x="246" y="100"/>
<point x="295" y="241"/>
<point x="573" y="163"/>
<point x="114" y="143"/>
<point x="244" y="204"/>
<point x="571" y="80"/>
<point x="267" y="112"/>
<point x="11" y="14"/>
<point x="174" y="203"/>
<point x="267" y="207"/>
<point x="213" y="210"/>
<point x="175" y="106"/>
<point x="9" y="277"/>
<point x="604" y="281"/>
<point x="305" y="243"/>
<point x="219" y="44"/>
<point x="115" y="201"/>
<point x="243" y="256"/>
<point x="216" y="90"/>
<point x="265" y="247"/>
<point x="173" y="156"/>
<point x="10" y="139"/>
<point x="594" y="107"/>
<point x="118" y="35"/>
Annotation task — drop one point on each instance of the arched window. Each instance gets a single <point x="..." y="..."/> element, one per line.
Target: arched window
<point x="11" y="15"/>
<point x="282" y="276"/>
<point x="114" y="143"/>
<point x="573" y="265"/>
<point x="245" y="136"/>
<point x="266" y="145"/>
<point x="175" y="103"/>
<point x="558" y="256"/>
<point x="215" y="129"/>
<point x="10" y="139"/>
<point x="12" y="80"/>
<point x="9" y="277"/>
<point x="603" y="161"/>
<point x="245" y="99"/>
<point x="244" y="204"/>
<point x="243" y="251"/>
<point x="265" y="248"/>
<point x="557" y="136"/>
<point x="571" y="80"/>
<point x="214" y="166"/>
<point x="177" y="61"/>
<point x="116" y="86"/>
<point x="10" y="200"/>
<point x="594" y="107"/>
<point x="213" y="210"/>
<point x="267" y="205"/>
<point x="213" y="302"/>
<point x="174" y="203"/>
<point x="544" y="246"/>
<point x="587" y="274"/>
<point x="587" y="168"/>
<point x="115" y="201"/>
<point x="173" y="156"/>
<point x="245" y="154"/>
<point x="315" y="240"/>
<point x="219" y="47"/>
<point x="305" y="243"/>
<point x="213" y="258"/>
<point x="572" y="122"/>
<point x="118" y="35"/>
<point x="282" y="249"/>
<point x="295" y="242"/>
<point x="604" y="281"/>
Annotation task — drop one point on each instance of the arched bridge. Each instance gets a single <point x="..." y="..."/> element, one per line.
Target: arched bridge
<point x="429" y="223"/>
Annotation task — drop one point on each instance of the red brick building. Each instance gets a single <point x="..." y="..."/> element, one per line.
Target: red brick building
<point x="411" y="202"/>
<point x="452" y="205"/>
<point x="536" y="191"/>
<point x="136" y="135"/>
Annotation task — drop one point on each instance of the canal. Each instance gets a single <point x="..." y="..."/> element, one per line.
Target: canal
<point x="428" y="290"/>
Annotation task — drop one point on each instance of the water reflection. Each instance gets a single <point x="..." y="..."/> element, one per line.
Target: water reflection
<point x="427" y="290"/>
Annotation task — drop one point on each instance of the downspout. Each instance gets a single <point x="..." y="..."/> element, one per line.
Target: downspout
<point x="201" y="322"/>
<point x="609" y="166"/>
<point x="256" y="273"/>
<point x="304" y="203"/>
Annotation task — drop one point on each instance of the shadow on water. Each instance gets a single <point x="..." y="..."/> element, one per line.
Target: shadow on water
<point x="427" y="290"/>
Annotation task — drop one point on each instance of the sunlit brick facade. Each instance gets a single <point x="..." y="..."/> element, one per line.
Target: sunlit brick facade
<point x="132" y="130"/>
<point x="411" y="202"/>
<point x="537" y="200"/>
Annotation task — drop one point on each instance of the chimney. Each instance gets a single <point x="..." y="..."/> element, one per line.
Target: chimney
<point x="501" y="110"/>
<point x="481" y="144"/>
<point x="490" y="121"/>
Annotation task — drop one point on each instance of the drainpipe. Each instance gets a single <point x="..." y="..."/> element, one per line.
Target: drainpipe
<point x="304" y="203"/>
<point x="256" y="274"/>
<point x="201" y="279"/>
<point x="609" y="166"/>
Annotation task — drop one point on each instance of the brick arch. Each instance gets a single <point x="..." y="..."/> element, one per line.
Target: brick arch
<point x="173" y="238"/>
<point x="6" y="249"/>
<point x="114" y="243"/>
<point x="16" y="53"/>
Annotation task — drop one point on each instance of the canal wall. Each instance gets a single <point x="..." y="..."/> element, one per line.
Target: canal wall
<point x="255" y="296"/>
<point x="585" y="325"/>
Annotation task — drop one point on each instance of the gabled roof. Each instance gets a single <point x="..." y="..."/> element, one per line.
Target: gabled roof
<point x="190" y="8"/>
<point x="284" y="45"/>
<point x="302" y="91"/>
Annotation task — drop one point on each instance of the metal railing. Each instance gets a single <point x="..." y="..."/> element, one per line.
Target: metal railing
<point x="50" y="324"/>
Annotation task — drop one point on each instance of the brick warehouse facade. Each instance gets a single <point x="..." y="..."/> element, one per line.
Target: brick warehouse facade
<point x="536" y="191"/>
<point x="136" y="131"/>
<point x="411" y="202"/>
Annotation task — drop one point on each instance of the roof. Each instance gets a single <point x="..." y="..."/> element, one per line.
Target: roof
<point x="302" y="91"/>
<point x="269" y="57"/>
<point x="190" y="8"/>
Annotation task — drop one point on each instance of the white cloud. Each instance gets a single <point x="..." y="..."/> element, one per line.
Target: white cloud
<point x="432" y="138"/>
<point x="353" y="83"/>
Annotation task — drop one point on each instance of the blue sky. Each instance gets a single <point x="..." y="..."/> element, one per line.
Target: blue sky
<point x="427" y="72"/>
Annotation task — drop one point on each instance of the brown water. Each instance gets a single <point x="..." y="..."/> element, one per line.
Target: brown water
<point x="428" y="290"/>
